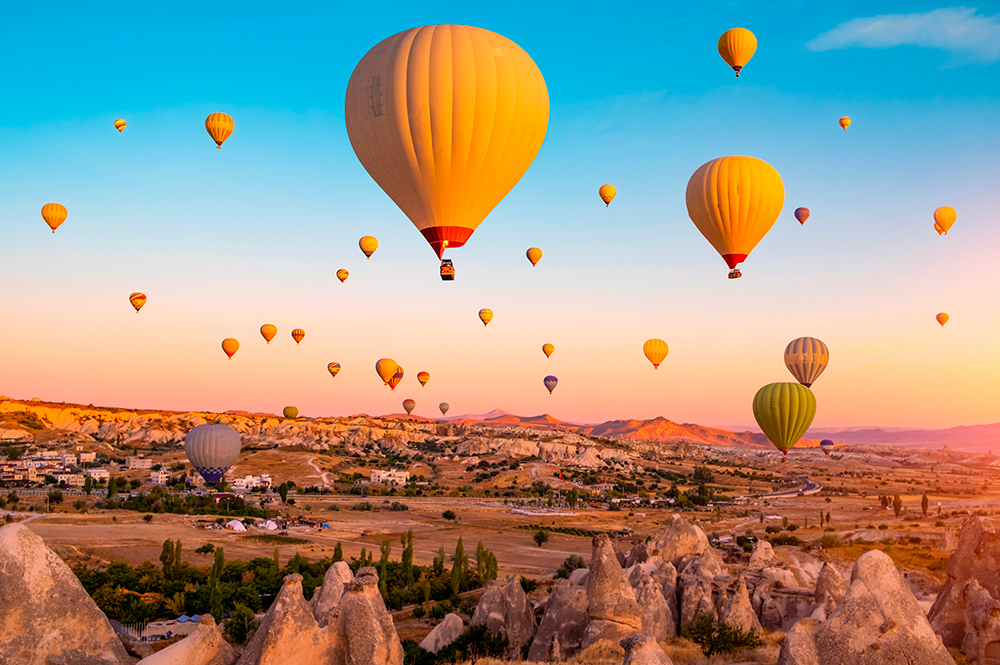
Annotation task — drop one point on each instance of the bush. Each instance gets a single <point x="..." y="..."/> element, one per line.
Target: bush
<point x="786" y="539"/>
<point x="830" y="540"/>
<point x="528" y="585"/>
<point x="334" y="507"/>
<point x="419" y="611"/>
<point x="241" y="624"/>
<point x="883" y="527"/>
<point x="397" y="506"/>
<point x="449" y="515"/>
<point x="541" y="537"/>
<point x="719" y="637"/>
<point x="793" y="527"/>
<point x="439" y="610"/>
<point x="363" y="506"/>
<point x="772" y="529"/>
<point x="572" y="562"/>
<point x="475" y="643"/>
<point x="939" y="524"/>
<point x="148" y="518"/>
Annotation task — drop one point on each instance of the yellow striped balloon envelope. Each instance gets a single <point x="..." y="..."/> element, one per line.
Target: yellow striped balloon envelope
<point x="607" y="194"/>
<point x="784" y="412"/>
<point x="656" y="350"/>
<point x="397" y="376"/>
<point x="220" y="127"/>
<point x="342" y="275"/>
<point x="54" y="214"/>
<point x="844" y="122"/>
<point x="138" y="300"/>
<point x="268" y="331"/>
<point x="806" y="358"/>
<point x="534" y="255"/>
<point x="290" y="412"/>
<point x="444" y="406"/>
<point x="333" y="369"/>
<point x="368" y="245"/>
<point x="298" y="335"/>
<point x="409" y="405"/>
<point x="548" y="350"/>
<point x="120" y="125"/>
<point x="736" y="47"/>
<point x="230" y="346"/>
<point x="944" y="217"/>
<point x="486" y="315"/>
<point x="423" y="378"/>
<point x="446" y="119"/>
<point x="386" y="368"/>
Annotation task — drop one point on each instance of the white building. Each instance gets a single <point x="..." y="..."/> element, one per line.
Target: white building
<point x="247" y="483"/>
<point x="390" y="477"/>
<point x="86" y="458"/>
<point x="70" y="479"/>
<point x="97" y="474"/>
<point x="138" y="462"/>
<point x="160" y="477"/>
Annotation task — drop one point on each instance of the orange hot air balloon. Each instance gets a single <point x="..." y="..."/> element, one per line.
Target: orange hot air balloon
<point x="368" y="245"/>
<point x="802" y="214"/>
<point x="446" y="119"/>
<point x="54" y="214"/>
<point x="409" y="405"/>
<point x="486" y="315"/>
<point x="120" y="125"/>
<point x="298" y="335"/>
<point x="845" y="122"/>
<point x="333" y="369"/>
<point x="342" y="275"/>
<point x="230" y="346"/>
<point x="219" y="126"/>
<point x="548" y="350"/>
<point x="942" y="318"/>
<point x="937" y="227"/>
<point x="656" y="350"/>
<point x="944" y="217"/>
<point x="386" y="368"/>
<point x="268" y="332"/>
<point x="423" y="378"/>
<point x="607" y="194"/>
<point x="397" y="376"/>
<point x="736" y="47"/>
<point x="734" y="202"/>
<point x="138" y="300"/>
<point x="534" y="255"/>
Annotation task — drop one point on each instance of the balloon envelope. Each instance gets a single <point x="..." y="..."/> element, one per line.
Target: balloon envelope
<point x="534" y="255"/>
<point x="386" y="368"/>
<point x="806" y="358"/>
<point x="397" y="376"/>
<point x="607" y="194"/>
<point x="54" y="214"/>
<point x="486" y="315"/>
<point x="120" y="125"/>
<point x="826" y="445"/>
<point x="444" y="406"/>
<point x="423" y="378"/>
<point x="548" y="349"/>
<point x="138" y="300"/>
<point x="230" y="346"/>
<point x="656" y="350"/>
<point x="368" y="245"/>
<point x="845" y="122"/>
<point x="944" y="217"/>
<point x="802" y="214"/>
<point x="550" y="383"/>
<point x="409" y="405"/>
<point x="736" y="47"/>
<point x="942" y="318"/>
<point x="342" y="275"/>
<point x="212" y="449"/>
<point x="298" y="335"/>
<point x="219" y="126"/>
<point x="268" y="331"/>
<point x="290" y="412"/>
<point x="333" y="369"/>
<point x="784" y="412"/>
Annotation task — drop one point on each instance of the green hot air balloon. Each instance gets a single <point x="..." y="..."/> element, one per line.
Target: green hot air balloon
<point x="291" y="412"/>
<point x="784" y="412"/>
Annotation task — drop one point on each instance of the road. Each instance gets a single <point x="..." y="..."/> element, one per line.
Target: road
<point x="323" y="475"/>
<point x="808" y="487"/>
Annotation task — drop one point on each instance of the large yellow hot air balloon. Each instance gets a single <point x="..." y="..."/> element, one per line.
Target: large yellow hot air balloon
<point x="607" y="194"/>
<point x="342" y="275"/>
<point x="486" y="315"/>
<point x="944" y="217"/>
<point x="734" y="202"/>
<point x="397" y="376"/>
<point x="368" y="245"/>
<point x="230" y="346"/>
<point x="736" y="47"/>
<point x="333" y="369"/>
<point x="806" y="358"/>
<point x="54" y="214"/>
<point x="290" y="412"/>
<point x="220" y="126"/>
<point x="298" y="335"/>
<point x="845" y="122"/>
<point x="423" y="378"/>
<point x="784" y="412"/>
<point x="656" y="350"/>
<point x="120" y="125"/>
<point x="138" y="300"/>
<point x="942" y="318"/>
<point x="268" y="331"/>
<point x="446" y="119"/>
<point x="548" y="350"/>
<point x="386" y="368"/>
<point x="534" y="255"/>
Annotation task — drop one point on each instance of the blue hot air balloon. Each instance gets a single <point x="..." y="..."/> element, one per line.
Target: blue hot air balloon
<point x="550" y="382"/>
<point x="826" y="445"/>
<point x="212" y="449"/>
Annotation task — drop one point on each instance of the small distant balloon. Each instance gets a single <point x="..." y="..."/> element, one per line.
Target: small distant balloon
<point x="54" y="214"/>
<point x="230" y="346"/>
<point x="385" y="368"/>
<point x="290" y="412"/>
<point x="826" y="445"/>
<point x="942" y="318"/>
<point x="298" y="335"/>
<point x="550" y="383"/>
<point x="548" y="350"/>
<point x="534" y="255"/>
<point x="802" y="214"/>
<point x="656" y="350"/>
<point x="138" y="300"/>
<point x="409" y="405"/>
<point x="444" y="406"/>
<point x="397" y="376"/>
<point x="607" y="194"/>
<point x="333" y="369"/>
<point x="423" y="378"/>
<point x="736" y="47"/>
<point x="944" y="217"/>
<point x="486" y="315"/>
<point x="845" y="122"/>
<point x="268" y="331"/>
<point x="342" y="275"/>
<point x="220" y="127"/>
<point x="120" y="125"/>
<point x="368" y="245"/>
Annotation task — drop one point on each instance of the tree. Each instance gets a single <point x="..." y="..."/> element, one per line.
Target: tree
<point x="112" y="488"/>
<point x="572" y="496"/>
<point x="427" y="590"/>
<point x="108" y="600"/>
<point x="439" y="561"/>
<point x="449" y="515"/>
<point x="828" y="519"/>
<point x="719" y="637"/>
<point x="88" y="485"/>
<point x="167" y="558"/>
<point x="784" y="522"/>
<point x="761" y="518"/>
<point x="147" y="518"/>
<point x="897" y="504"/>
<point x="338" y="552"/>
<point x="407" y="560"/>
<point x="458" y="568"/>
<point x="383" y="563"/>
<point x="175" y="604"/>
<point x="80" y="504"/>
<point x="241" y="624"/>
<point x="283" y="492"/>
<point x="702" y="474"/>
<point x="541" y="537"/>
<point x="55" y="496"/>
<point x="207" y="548"/>
<point x="925" y="503"/>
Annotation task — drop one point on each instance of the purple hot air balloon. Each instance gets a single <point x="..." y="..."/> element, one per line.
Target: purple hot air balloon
<point x="550" y="382"/>
<point x="802" y="214"/>
<point x="826" y="445"/>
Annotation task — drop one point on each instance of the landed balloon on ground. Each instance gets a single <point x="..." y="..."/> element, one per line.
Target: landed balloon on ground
<point x="806" y="358"/>
<point x="230" y="346"/>
<point x="942" y="318"/>
<point x="607" y="194"/>
<point x="54" y="214"/>
<point x="486" y="315"/>
<point x="802" y="214"/>
<point x="298" y="335"/>
<point x="423" y="378"/>
<point x="826" y="445"/>
<point x="446" y="119"/>
<point x="734" y="202"/>
<point x="845" y="122"/>
<point x="212" y="449"/>
<point x="120" y="125"/>
<point x="220" y="127"/>
<point x="944" y="217"/>
<point x="138" y="300"/>
<point x="409" y="405"/>
<point x="333" y="369"/>
<point x="548" y="350"/>
<point x="290" y="412"/>
<point x="550" y="383"/>
<point x="342" y="275"/>
<point x="534" y="255"/>
<point x="368" y="245"/>
<point x="736" y="47"/>
<point x="386" y="368"/>
<point x="268" y="331"/>
<point x="784" y="412"/>
<point x="444" y="406"/>
<point x="656" y="350"/>
<point x="397" y="376"/>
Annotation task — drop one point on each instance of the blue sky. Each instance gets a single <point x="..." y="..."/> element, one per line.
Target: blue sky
<point x="223" y="241"/>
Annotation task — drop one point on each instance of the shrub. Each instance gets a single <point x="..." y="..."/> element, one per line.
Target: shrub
<point x="439" y="610"/>
<point x="398" y="506"/>
<point x="241" y="624"/>
<point x="475" y="643"/>
<point x="572" y="562"/>
<point x="449" y="515"/>
<point x="719" y="637"/>
<point x="883" y="527"/>
<point x="793" y="527"/>
<point x="528" y="585"/>
<point x="939" y="524"/>
<point x="334" y="507"/>
<point x="419" y="611"/>
<point x="772" y="529"/>
<point x="786" y="539"/>
<point x="148" y="518"/>
<point x="830" y="540"/>
<point x="541" y="537"/>
<point x="363" y="506"/>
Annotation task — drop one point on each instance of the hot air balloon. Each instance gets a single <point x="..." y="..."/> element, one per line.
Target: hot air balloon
<point x="845" y="122"/>
<point x="784" y="412"/>
<point x="342" y="275"/>
<point x="486" y="315"/>
<point x="268" y="332"/>
<point x="368" y="245"/>
<point x="385" y="368"/>
<point x="230" y="346"/>
<point x="138" y="300"/>
<point x="736" y="47"/>
<point x="826" y="445"/>
<point x="550" y="383"/>
<point x="423" y="378"/>
<point x="333" y="369"/>
<point x="548" y="349"/>
<point x="446" y="119"/>
<point x="734" y="202"/>
<point x="534" y="255"/>
<point x="942" y="318"/>
<point x="444" y="407"/>
<point x="656" y="350"/>
<point x="212" y="449"/>
<point x="54" y="214"/>
<point x="290" y="412"/>
<point x="219" y="126"/>
<point x="802" y="214"/>
<point x="937" y="227"/>
<point x="397" y="376"/>
<point x="607" y="194"/>
<point x="298" y="335"/>
<point x="120" y="125"/>
<point x="944" y="217"/>
<point x="806" y="358"/>
<point x="409" y="405"/>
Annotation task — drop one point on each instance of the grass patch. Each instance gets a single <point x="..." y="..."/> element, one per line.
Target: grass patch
<point x="921" y="558"/>
<point x="274" y="539"/>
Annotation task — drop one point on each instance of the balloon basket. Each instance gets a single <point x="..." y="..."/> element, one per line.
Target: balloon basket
<point x="735" y="273"/>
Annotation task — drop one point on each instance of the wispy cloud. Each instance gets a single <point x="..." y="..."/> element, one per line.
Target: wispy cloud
<point x="960" y="31"/>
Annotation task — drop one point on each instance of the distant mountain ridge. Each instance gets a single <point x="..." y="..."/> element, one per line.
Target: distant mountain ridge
<point x="970" y="438"/>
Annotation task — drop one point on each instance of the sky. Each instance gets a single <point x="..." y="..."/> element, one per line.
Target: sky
<point x="223" y="241"/>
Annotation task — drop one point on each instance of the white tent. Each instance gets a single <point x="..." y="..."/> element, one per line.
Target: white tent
<point x="267" y="526"/>
<point x="235" y="525"/>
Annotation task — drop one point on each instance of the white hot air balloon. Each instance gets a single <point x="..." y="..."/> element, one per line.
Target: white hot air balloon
<point x="212" y="449"/>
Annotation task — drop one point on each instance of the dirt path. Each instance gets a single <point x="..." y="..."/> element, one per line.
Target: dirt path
<point x="323" y="475"/>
